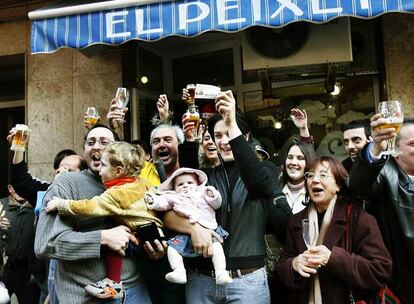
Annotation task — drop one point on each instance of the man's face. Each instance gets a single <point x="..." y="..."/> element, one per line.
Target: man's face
<point x="95" y="142"/>
<point x="406" y="148"/>
<point x="165" y="147"/>
<point x="355" y="140"/>
<point x="221" y="138"/>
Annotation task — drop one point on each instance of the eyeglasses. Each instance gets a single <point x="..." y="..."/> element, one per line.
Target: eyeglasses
<point x="102" y="141"/>
<point x="320" y="175"/>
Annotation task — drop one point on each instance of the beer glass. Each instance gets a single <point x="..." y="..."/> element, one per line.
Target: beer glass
<point x="392" y="111"/>
<point x="19" y="141"/>
<point x="194" y="116"/>
<point x="122" y="98"/>
<point x="191" y="88"/>
<point x="92" y="116"/>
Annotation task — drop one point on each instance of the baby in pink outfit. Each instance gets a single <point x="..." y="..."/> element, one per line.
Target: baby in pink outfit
<point x="186" y="193"/>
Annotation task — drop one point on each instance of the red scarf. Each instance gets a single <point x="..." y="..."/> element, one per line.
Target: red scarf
<point x="119" y="181"/>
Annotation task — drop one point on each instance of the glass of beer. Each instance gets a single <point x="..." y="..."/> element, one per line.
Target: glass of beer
<point x="194" y="116"/>
<point x="21" y="137"/>
<point x="91" y="116"/>
<point x="392" y="111"/>
<point x="191" y="88"/>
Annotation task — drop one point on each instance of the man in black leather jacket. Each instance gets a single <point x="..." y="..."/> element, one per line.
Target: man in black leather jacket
<point x="246" y="185"/>
<point x="389" y="183"/>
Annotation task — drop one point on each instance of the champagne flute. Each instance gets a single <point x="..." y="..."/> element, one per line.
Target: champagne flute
<point x="92" y="116"/>
<point x="392" y="111"/>
<point x="305" y="233"/>
<point x="122" y="98"/>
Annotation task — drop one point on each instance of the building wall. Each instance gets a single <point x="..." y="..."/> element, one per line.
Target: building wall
<point x="60" y="86"/>
<point x="398" y="33"/>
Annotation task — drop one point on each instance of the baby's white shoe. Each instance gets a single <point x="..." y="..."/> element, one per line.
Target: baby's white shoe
<point x="223" y="277"/>
<point x="177" y="276"/>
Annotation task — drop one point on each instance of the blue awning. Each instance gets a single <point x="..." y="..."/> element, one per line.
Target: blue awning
<point x="155" y="21"/>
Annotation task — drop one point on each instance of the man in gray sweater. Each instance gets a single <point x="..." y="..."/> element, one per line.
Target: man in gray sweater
<point x="76" y="242"/>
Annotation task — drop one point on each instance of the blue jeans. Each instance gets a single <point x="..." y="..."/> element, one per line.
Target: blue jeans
<point x="250" y="288"/>
<point x="133" y="295"/>
<point x="51" y="282"/>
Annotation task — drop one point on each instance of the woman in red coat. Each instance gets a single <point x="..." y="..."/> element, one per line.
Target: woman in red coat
<point x="324" y="271"/>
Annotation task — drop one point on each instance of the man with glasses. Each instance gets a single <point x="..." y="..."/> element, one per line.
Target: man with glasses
<point x="76" y="242"/>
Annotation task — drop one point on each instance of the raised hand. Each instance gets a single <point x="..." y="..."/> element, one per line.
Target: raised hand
<point x="163" y="107"/>
<point x="380" y="136"/>
<point x="300" y="119"/>
<point x="115" y="115"/>
<point x="189" y="128"/>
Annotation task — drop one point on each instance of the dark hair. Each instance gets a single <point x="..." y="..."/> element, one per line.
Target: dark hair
<point x="143" y="144"/>
<point x="308" y="153"/>
<point x="407" y="121"/>
<point x="240" y="120"/>
<point x="116" y="137"/>
<point x="356" y="124"/>
<point x="338" y="171"/>
<point x="60" y="156"/>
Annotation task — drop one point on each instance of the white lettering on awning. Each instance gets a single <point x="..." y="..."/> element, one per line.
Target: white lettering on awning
<point x="289" y="5"/>
<point x="222" y="7"/>
<point x="183" y="13"/>
<point x="111" y="20"/>
<point x="316" y="9"/>
<point x="139" y="17"/>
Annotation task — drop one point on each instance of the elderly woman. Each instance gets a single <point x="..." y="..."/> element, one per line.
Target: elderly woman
<point x="326" y="271"/>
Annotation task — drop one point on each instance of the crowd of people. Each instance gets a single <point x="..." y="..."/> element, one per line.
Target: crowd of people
<point x="184" y="220"/>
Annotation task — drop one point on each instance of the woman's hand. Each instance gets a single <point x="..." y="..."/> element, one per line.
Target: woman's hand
<point x="318" y="255"/>
<point x="301" y="265"/>
<point x="300" y="119"/>
<point x="226" y="106"/>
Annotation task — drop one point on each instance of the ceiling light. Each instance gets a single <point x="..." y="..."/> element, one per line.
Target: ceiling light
<point x="144" y="79"/>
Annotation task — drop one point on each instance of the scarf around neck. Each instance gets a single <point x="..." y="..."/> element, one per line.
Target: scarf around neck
<point x="119" y="181"/>
<point x="316" y="237"/>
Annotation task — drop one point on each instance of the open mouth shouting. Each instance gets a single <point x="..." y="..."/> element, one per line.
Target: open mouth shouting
<point x="164" y="155"/>
<point x="96" y="158"/>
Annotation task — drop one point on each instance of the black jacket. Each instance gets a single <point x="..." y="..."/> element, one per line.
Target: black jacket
<point x="26" y="185"/>
<point x="391" y="193"/>
<point x="247" y="186"/>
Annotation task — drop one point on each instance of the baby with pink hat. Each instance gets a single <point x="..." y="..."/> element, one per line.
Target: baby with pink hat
<point x="186" y="193"/>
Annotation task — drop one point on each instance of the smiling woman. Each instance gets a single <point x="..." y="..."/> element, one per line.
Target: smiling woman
<point x="327" y="263"/>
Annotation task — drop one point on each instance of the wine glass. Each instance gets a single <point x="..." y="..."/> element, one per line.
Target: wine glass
<point x="393" y="113"/>
<point x="305" y="233"/>
<point x="122" y="98"/>
<point x="92" y="116"/>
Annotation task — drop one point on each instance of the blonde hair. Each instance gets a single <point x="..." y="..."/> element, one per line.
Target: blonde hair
<point x="128" y="156"/>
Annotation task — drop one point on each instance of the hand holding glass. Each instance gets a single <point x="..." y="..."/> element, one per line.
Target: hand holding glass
<point x="194" y="117"/>
<point x="191" y="89"/>
<point x="91" y="116"/>
<point x="392" y="111"/>
<point x="122" y="99"/>
<point x="21" y="137"/>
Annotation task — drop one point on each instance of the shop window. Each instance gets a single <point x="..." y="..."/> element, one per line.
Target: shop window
<point x="271" y="121"/>
<point x="215" y="68"/>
